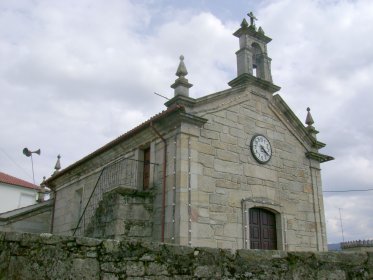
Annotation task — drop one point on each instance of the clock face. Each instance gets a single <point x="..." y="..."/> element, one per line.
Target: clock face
<point x="261" y="148"/>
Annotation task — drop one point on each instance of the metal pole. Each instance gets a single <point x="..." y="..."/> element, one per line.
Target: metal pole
<point x="32" y="166"/>
<point x="340" y="218"/>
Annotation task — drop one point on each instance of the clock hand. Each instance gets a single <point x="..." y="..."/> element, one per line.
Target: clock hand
<point x="264" y="150"/>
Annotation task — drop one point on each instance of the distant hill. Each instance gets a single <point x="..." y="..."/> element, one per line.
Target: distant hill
<point x="334" y="247"/>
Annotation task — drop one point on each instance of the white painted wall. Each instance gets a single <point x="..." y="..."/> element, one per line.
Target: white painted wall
<point x="13" y="197"/>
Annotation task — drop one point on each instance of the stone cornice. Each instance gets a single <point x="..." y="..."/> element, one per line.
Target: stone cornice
<point x="250" y="30"/>
<point x="221" y="94"/>
<point x="288" y="118"/>
<point x="180" y="117"/>
<point x="318" y="157"/>
<point x="246" y="78"/>
<point x="318" y="145"/>
<point x="300" y="131"/>
<point x="181" y="100"/>
<point x="192" y="119"/>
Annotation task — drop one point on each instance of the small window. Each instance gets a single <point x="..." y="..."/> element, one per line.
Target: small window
<point x="146" y="169"/>
<point x="78" y="203"/>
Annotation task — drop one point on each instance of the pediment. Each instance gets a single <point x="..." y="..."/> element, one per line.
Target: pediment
<point x="291" y="121"/>
<point x="226" y="100"/>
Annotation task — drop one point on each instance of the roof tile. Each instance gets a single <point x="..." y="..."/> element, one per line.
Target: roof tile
<point x="8" y="179"/>
<point x="128" y="134"/>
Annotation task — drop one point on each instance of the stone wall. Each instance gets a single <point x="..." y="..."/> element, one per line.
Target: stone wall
<point x="33" y="218"/>
<point x="123" y="212"/>
<point x="74" y="188"/>
<point x="45" y="256"/>
<point x="70" y="202"/>
<point x="73" y="196"/>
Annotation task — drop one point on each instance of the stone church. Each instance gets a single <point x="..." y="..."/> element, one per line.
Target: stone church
<point x="233" y="169"/>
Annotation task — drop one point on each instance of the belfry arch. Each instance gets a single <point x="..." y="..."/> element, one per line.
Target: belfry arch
<point x="257" y="60"/>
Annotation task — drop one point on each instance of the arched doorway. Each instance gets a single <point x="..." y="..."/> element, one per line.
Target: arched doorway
<point x="262" y="225"/>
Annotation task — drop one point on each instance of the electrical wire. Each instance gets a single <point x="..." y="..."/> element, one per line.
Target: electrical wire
<point x="19" y="166"/>
<point x="343" y="191"/>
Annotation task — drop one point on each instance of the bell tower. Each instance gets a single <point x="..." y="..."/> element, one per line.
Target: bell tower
<point x="253" y="62"/>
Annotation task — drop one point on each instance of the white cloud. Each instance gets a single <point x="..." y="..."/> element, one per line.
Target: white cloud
<point x="72" y="70"/>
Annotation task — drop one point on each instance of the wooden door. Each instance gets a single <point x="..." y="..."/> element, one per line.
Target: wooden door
<point x="262" y="225"/>
<point x="146" y="170"/>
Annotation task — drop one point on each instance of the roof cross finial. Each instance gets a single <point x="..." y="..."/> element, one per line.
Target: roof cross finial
<point x="252" y="18"/>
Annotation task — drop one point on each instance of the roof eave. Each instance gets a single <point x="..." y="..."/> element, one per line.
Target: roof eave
<point x="176" y="111"/>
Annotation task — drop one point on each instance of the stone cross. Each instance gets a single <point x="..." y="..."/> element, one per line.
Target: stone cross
<point x="252" y="18"/>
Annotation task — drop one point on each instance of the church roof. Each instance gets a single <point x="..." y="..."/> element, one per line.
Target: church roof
<point x="125" y="136"/>
<point x="11" y="180"/>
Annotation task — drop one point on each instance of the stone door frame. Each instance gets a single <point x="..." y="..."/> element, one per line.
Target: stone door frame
<point x="269" y="205"/>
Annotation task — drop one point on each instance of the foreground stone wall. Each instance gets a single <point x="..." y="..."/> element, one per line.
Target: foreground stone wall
<point x="46" y="256"/>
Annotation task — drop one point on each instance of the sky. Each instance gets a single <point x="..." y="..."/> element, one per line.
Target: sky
<point x="75" y="75"/>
